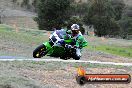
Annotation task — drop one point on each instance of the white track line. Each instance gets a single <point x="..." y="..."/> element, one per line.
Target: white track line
<point x="71" y="61"/>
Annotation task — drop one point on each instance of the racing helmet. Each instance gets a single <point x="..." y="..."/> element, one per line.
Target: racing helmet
<point x="75" y="29"/>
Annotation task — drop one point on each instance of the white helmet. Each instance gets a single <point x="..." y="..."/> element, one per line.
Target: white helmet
<point x="75" y="27"/>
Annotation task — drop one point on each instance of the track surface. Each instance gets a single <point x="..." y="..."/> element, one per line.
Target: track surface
<point x="11" y="58"/>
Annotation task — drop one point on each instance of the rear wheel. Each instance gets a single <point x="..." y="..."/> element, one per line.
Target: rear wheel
<point x="39" y="51"/>
<point x="64" y="57"/>
<point x="76" y="57"/>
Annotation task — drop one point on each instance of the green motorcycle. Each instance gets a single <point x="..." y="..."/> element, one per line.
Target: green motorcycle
<point x="65" y="50"/>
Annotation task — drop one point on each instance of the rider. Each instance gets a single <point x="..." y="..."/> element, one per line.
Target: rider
<point x="76" y="35"/>
<point x="79" y="40"/>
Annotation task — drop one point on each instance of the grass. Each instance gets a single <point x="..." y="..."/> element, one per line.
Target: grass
<point x="25" y="36"/>
<point x="116" y="50"/>
<point x="112" y="49"/>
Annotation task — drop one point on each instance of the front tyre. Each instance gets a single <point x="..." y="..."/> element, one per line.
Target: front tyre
<point x="39" y="51"/>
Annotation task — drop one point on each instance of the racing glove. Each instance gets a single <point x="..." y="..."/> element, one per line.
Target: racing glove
<point x="68" y="46"/>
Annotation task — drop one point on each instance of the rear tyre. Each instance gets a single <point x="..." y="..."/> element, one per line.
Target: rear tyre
<point x="76" y="57"/>
<point x="64" y="58"/>
<point x="39" y="51"/>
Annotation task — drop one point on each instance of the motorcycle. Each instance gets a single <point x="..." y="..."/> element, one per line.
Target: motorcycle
<point x="54" y="48"/>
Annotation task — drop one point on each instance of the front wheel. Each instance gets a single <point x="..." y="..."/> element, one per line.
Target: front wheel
<point x="39" y="51"/>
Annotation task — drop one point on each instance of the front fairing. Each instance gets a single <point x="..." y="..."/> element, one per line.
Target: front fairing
<point x="57" y="51"/>
<point x="48" y="47"/>
<point x="47" y="44"/>
<point x="54" y="50"/>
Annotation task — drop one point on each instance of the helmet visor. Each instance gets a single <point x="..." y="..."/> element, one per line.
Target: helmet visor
<point x="75" y="31"/>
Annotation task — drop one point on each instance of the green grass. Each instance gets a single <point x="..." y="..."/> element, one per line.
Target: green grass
<point x="116" y="50"/>
<point x="23" y="36"/>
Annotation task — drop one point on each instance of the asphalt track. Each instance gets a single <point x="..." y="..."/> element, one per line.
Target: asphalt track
<point x="12" y="58"/>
